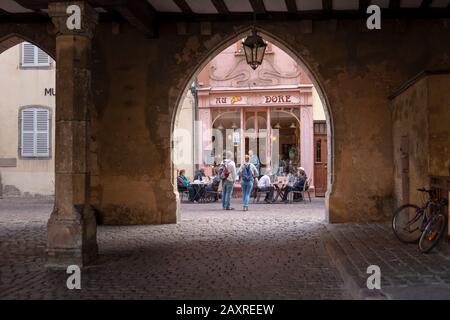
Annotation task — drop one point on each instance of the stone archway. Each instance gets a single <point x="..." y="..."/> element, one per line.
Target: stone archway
<point x="358" y="71"/>
<point x="11" y="35"/>
<point x="279" y="42"/>
<point x="138" y="84"/>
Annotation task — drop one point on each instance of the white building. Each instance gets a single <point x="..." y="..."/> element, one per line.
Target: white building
<point x="27" y="109"/>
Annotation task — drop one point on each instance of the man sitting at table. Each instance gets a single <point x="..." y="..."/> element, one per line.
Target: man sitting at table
<point x="299" y="184"/>
<point x="184" y="184"/>
<point x="200" y="174"/>
<point x="214" y="185"/>
<point x="265" y="185"/>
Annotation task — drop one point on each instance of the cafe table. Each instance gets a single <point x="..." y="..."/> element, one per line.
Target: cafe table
<point x="280" y="186"/>
<point x="199" y="186"/>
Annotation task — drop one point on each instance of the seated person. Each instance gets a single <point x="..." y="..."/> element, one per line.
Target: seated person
<point x="200" y="174"/>
<point x="299" y="184"/>
<point x="182" y="181"/>
<point x="264" y="185"/>
<point x="291" y="175"/>
<point x="184" y="184"/>
<point x="214" y="185"/>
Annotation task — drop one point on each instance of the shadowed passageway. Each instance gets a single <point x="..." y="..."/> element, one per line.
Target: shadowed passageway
<point x="270" y="252"/>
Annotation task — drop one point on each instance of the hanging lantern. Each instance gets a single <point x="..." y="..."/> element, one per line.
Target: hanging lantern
<point x="254" y="49"/>
<point x="293" y="126"/>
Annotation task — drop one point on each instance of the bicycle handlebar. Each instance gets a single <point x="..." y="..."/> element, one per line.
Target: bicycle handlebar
<point x="442" y="202"/>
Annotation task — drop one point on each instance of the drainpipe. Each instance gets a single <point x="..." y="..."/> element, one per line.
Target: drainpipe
<point x="194" y="128"/>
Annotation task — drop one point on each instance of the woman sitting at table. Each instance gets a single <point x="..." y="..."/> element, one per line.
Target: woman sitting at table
<point x="299" y="184"/>
<point x="200" y="174"/>
<point x="184" y="184"/>
<point x="291" y="175"/>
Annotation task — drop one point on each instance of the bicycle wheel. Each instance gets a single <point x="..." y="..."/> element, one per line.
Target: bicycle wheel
<point x="406" y="223"/>
<point x="433" y="233"/>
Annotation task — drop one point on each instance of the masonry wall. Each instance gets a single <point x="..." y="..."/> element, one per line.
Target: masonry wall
<point x="138" y="84"/>
<point x="421" y="115"/>
<point x="411" y="142"/>
<point x="439" y="125"/>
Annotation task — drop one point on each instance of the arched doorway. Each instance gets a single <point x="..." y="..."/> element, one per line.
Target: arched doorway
<point x="257" y="124"/>
<point x="28" y="108"/>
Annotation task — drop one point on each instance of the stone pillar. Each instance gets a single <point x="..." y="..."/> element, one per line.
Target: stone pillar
<point x="204" y="137"/>
<point x="307" y="141"/>
<point x="72" y="229"/>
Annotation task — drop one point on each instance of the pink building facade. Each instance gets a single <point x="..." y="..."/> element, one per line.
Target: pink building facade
<point x="268" y="111"/>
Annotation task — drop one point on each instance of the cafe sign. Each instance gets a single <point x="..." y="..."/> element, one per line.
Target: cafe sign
<point x="280" y="99"/>
<point x="229" y="100"/>
<point x="256" y="100"/>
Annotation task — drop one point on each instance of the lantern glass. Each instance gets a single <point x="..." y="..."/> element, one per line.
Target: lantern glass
<point x="254" y="49"/>
<point x="248" y="54"/>
<point x="260" y="51"/>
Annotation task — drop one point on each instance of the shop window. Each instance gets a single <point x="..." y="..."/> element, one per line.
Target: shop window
<point x="319" y="151"/>
<point x="32" y="56"/>
<point x="320" y="127"/>
<point x="228" y="124"/>
<point x="35" y="132"/>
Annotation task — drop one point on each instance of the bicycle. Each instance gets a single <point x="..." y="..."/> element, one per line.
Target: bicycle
<point x="425" y="224"/>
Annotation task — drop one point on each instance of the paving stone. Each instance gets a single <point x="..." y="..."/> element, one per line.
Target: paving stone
<point x="270" y="252"/>
<point x="401" y="264"/>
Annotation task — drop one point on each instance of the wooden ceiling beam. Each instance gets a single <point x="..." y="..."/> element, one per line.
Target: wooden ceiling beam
<point x="34" y="5"/>
<point x="138" y="13"/>
<point x="221" y="7"/>
<point x="258" y="6"/>
<point x="363" y="5"/>
<point x="426" y="4"/>
<point x="394" y="4"/>
<point x="327" y="5"/>
<point x="183" y="5"/>
<point x="291" y="6"/>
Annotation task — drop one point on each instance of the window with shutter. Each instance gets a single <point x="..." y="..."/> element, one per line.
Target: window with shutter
<point x="35" y="136"/>
<point x="42" y="133"/>
<point x="32" y="56"/>
<point x="27" y="54"/>
<point x="28" y="133"/>
<point x="43" y="59"/>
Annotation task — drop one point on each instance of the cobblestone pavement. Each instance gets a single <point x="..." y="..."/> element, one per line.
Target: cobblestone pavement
<point x="269" y="252"/>
<point x="405" y="272"/>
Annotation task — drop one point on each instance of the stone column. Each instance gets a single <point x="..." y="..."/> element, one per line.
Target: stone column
<point x="307" y="140"/>
<point x="204" y="136"/>
<point x="72" y="229"/>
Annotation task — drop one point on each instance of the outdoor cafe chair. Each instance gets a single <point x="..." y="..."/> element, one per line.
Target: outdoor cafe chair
<point x="305" y="190"/>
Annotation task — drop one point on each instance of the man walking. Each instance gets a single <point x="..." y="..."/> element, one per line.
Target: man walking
<point x="247" y="172"/>
<point x="227" y="172"/>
